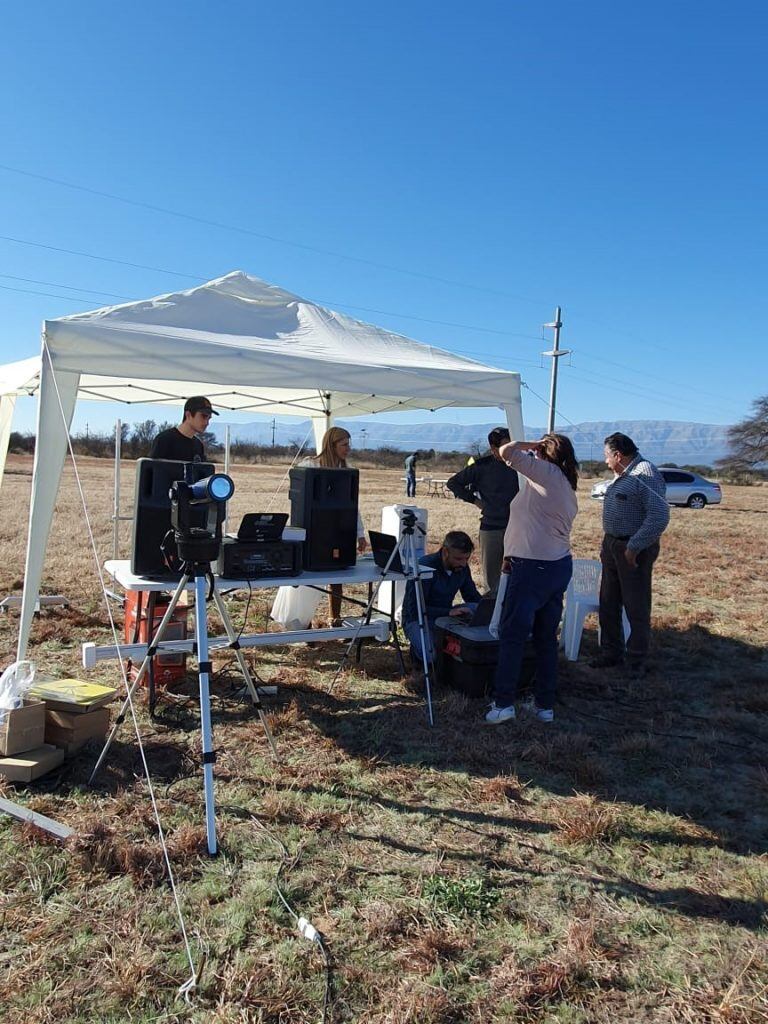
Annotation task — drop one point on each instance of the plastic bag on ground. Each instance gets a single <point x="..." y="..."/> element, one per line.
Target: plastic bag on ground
<point x="15" y="682"/>
<point x="294" y="606"/>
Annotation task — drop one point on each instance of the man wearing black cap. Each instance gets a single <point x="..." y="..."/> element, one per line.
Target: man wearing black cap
<point x="182" y="443"/>
<point x="490" y="484"/>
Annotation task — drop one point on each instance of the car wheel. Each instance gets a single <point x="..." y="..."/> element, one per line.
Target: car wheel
<point x="697" y="501"/>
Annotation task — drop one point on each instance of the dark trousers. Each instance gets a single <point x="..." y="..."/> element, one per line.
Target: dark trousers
<point x="621" y="586"/>
<point x="533" y="605"/>
<point x="491" y="556"/>
<point x="410" y="485"/>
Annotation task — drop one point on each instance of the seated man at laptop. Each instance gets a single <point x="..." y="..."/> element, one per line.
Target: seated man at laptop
<point x="451" y="576"/>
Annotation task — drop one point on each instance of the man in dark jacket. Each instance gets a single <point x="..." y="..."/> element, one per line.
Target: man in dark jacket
<point x="490" y="484"/>
<point x="451" y="576"/>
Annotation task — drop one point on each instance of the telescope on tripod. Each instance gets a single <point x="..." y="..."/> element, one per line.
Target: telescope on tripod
<point x="198" y="509"/>
<point x="200" y="501"/>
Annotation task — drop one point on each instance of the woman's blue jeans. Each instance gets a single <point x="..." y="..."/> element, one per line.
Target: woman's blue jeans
<point x="533" y="605"/>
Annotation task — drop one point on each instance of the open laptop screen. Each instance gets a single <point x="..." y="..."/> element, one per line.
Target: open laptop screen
<point x="382" y="546"/>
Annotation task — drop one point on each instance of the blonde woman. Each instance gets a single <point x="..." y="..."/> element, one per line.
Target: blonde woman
<point x="333" y="455"/>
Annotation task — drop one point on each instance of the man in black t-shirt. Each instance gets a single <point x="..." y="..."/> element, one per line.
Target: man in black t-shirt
<point x="182" y="443"/>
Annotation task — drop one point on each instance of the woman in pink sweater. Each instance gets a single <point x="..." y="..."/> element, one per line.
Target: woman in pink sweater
<point x="537" y="557"/>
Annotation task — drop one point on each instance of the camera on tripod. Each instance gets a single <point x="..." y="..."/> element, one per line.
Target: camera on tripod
<point x="407" y="520"/>
<point x="197" y="513"/>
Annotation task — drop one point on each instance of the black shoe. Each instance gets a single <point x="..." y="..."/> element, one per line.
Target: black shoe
<point x="606" y="661"/>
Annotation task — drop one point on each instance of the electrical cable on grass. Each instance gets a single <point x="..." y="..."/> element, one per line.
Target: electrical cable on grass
<point x="303" y="925"/>
<point x="189" y="986"/>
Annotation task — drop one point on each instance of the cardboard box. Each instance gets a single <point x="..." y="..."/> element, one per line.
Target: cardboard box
<point x="71" y="731"/>
<point x="30" y="765"/>
<point x="22" y="728"/>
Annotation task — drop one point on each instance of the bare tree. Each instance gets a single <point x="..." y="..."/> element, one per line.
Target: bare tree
<point x="210" y="441"/>
<point x="142" y="436"/>
<point x="748" y="440"/>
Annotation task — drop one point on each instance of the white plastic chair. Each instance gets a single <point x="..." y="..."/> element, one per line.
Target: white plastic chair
<point x="582" y="598"/>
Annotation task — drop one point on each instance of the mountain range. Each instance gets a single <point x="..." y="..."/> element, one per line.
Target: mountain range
<point x="662" y="441"/>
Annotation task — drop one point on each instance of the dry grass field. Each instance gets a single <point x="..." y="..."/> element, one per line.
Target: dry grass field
<point x="609" y="868"/>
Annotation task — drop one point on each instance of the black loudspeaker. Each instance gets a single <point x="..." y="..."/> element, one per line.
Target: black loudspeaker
<point x="324" y="502"/>
<point x="152" y="511"/>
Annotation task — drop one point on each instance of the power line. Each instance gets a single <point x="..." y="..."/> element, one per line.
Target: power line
<point x="50" y="295"/>
<point x="514" y="362"/>
<point x="653" y="376"/>
<point x="69" y="287"/>
<point x="200" y="277"/>
<point x="239" y="229"/>
<point x="103" y="259"/>
<point x="425" y="320"/>
<point x="650" y="394"/>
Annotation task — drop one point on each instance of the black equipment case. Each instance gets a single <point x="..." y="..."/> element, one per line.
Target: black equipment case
<point x="258" y="560"/>
<point x="466" y="657"/>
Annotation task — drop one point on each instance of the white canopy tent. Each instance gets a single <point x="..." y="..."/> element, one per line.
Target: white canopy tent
<point x="247" y="345"/>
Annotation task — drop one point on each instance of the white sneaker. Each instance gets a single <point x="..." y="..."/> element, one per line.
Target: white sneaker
<point x="498" y="715"/>
<point x="542" y="714"/>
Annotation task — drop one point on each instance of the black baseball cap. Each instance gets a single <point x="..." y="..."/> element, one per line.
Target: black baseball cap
<point x="199" y="403"/>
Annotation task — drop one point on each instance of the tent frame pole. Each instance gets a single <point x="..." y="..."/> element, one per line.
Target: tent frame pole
<point x="116" y="501"/>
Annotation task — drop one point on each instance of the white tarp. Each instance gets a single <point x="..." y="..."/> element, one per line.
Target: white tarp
<point x="248" y="346"/>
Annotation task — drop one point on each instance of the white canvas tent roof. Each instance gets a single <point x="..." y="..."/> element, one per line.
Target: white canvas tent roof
<point x="248" y="346"/>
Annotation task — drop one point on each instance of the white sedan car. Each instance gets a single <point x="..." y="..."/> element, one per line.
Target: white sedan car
<point x="683" y="488"/>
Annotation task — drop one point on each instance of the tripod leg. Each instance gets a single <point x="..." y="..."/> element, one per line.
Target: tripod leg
<point x="145" y="665"/>
<point x="426" y="655"/>
<point x="412" y="564"/>
<point x="204" y="670"/>
<point x="365" y="618"/>
<point x="218" y="600"/>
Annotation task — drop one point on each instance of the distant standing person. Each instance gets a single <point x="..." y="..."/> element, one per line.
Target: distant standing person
<point x="635" y="514"/>
<point x="490" y="484"/>
<point x="182" y="443"/>
<point x="410" y="475"/>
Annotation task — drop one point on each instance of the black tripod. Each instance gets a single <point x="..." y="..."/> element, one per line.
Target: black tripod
<point x="199" y="572"/>
<point x="408" y="555"/>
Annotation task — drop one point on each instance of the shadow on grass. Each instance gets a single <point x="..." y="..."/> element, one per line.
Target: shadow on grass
<point x="688" y="739"/>
<point x="682" y="740"/>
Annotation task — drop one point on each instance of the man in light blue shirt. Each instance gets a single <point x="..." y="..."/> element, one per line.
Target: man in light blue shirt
<point x="635" y="514"/>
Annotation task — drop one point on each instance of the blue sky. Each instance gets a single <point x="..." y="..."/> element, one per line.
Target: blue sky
<point x="492" y="160"/>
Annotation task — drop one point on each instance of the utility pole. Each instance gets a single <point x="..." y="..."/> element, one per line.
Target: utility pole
<point x="554" y="353"/>
<point x="273" y="431"/>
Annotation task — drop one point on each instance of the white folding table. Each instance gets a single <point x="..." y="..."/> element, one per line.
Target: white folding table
<point x="364" y="571"/>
